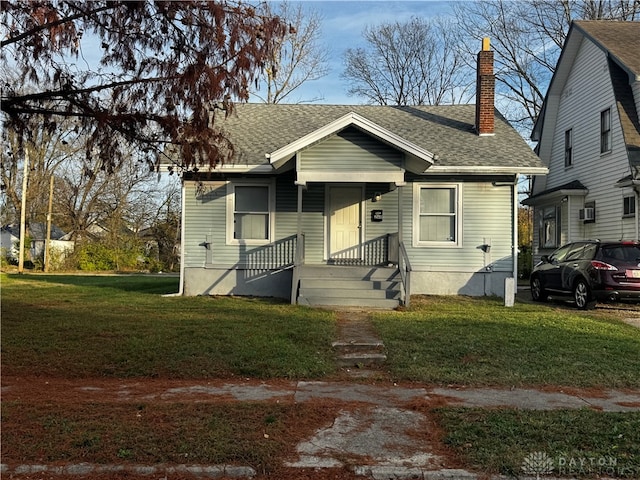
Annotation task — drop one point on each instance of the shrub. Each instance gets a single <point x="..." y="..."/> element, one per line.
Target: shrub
<point x="99" y="256"/>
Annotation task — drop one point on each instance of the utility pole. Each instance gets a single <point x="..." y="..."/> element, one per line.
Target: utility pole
<point x="47" y="240"/>
<point x="23" y="209"/>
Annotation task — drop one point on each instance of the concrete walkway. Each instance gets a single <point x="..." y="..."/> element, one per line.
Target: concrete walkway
<point x="374" y="433"/>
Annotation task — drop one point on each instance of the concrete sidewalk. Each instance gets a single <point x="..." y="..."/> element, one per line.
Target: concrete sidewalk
<point x="395" y="395"/>
<point x="373" y="434"/>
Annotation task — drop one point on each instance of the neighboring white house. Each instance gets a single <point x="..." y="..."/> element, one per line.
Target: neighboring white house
<point x="589" y="137"/>
<point x="359" y="205"/>
<point x="37" y="232"/>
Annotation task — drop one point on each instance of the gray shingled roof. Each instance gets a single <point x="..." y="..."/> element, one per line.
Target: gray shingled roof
<point x="447" y="131"/>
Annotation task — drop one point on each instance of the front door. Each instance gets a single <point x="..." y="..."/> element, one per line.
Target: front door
<point x="345" y="222"/>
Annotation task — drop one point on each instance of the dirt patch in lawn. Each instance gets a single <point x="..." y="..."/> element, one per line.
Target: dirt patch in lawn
<point x="57" y="421"/>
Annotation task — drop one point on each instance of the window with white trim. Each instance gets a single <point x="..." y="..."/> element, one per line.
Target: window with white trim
<point x="629" y="205"/>
<point x="605" y="131"/>
<point x="436" y="215"/>
<point x="250" y="212"/>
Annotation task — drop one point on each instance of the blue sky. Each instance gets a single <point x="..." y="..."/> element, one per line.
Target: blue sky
<point x="342" y="26"/>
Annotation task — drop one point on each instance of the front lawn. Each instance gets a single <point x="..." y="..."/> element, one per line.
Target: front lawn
<point x="565" y="443"/>
<point x="120" y="326"/>
<point x="471" y="341"/>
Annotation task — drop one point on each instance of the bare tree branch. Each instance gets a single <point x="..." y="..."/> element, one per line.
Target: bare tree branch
<point x="161" y="68"/>
<point x="413" y="63"/>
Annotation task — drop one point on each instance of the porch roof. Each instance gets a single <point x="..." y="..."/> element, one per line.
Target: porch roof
<point x="441" y="139"/>
<point x="574" y="188"/>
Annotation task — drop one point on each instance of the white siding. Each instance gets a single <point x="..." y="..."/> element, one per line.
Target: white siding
<point x="486" y="218"/>
<point x="588" y="92"/>
<point x="348" y="151"/>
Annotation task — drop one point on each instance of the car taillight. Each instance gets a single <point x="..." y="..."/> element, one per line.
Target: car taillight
<point x="602" y="266"/>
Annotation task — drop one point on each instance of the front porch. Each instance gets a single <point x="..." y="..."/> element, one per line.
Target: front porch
<point x="373" y="274"/>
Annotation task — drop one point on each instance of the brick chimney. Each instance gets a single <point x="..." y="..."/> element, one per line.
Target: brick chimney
<point x="485" y="91"/>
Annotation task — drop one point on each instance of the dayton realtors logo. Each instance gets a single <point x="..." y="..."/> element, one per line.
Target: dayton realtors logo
<point x="537" y="463"/>
<point x="540" y="464"/>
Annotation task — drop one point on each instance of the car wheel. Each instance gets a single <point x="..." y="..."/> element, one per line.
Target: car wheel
<point x="537" y="290"/>
<point x="582" y="295"/>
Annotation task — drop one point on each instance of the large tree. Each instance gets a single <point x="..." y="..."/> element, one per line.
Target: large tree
<point x="527" y="37"/>
<point x="298" y="57"/>
<point x="146" y="74"/>
<point x="415" y="62"/>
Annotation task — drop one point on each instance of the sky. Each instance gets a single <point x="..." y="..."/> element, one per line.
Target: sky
<point x="342" y="24"/>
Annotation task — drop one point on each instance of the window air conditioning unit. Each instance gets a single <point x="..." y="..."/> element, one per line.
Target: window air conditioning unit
<point x="587" y="214"/>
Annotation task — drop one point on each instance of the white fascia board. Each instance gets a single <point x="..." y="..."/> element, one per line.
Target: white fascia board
<point x="488" y="170"/>
<point x="341" y="123"/>
<point x="263" y="168"/>
<point x="554" y="196"/>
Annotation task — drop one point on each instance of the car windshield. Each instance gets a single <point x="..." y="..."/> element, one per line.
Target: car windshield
<point x="621" y="253"/>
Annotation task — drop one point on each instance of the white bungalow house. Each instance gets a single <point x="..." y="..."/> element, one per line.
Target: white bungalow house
<point x="589" y="137"/>
<point x="359" y="205"/>
<point x="37" y="233"/>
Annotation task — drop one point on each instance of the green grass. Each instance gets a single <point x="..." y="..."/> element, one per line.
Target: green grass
<point x="584" y="443"/>
<point x="120" y="326"/>
<point x="253" y="434"/>
<point x="83" y="326"/>
<point x="460" y="340"/>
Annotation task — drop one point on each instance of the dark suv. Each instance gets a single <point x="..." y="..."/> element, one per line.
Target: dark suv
<point x="589" y="271"/>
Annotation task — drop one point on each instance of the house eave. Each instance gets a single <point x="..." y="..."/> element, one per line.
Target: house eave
<point x="554" y="196"/>
<point x="466" y="170"/>
<point x="264" y="168"/>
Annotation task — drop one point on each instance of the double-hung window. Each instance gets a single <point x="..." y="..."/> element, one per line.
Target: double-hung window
<point x="250" y="212"/>
<point x="629" y="206"/>
<point x="437" y="215"/>
<point x="568" y="147"/>
<point x="605" y="131"/>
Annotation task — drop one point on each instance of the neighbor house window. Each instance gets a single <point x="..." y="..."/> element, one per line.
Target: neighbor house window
<point x="568" y="148"/>
<point x="549" y="227"/>
<point x="249" y="213"/>
<point x="605" y="131"/>
<point x="629" y="206"/>
<point x="437" y="215"/>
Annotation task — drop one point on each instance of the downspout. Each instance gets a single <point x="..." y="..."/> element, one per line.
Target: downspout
<point x="183" y="252"/>
<point x="637" y="193"/>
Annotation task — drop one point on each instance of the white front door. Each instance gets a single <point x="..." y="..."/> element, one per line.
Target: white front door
<point x="345" y="217"/>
